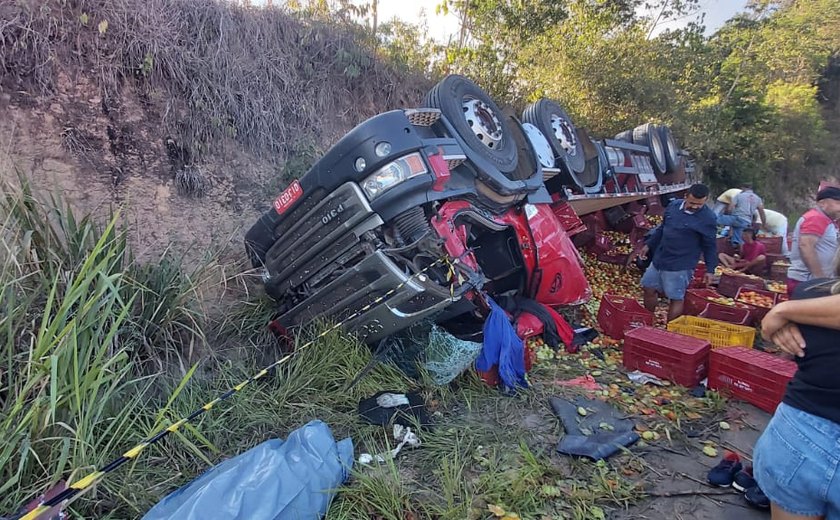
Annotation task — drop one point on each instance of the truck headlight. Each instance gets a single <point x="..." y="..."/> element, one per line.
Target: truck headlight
<point x="393" y="173"/>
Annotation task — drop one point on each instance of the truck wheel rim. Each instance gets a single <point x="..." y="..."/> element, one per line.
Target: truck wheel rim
<point x="540" y="144"/>
<point x="483" y="122"/>
<point x="564" y="133"/>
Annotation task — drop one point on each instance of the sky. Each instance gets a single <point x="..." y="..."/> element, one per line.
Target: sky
<point x="442" y="27"/>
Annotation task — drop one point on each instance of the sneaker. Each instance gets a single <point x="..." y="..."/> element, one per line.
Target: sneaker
<point x="756" y="498"/>
<point x="744" y="480"/>
<point x="723" y="474"/>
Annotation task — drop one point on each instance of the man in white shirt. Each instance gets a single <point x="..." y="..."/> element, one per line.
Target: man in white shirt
<point x="776" y="224"/>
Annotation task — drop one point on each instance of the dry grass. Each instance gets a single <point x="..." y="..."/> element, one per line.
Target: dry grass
<point x="210" y="70"/>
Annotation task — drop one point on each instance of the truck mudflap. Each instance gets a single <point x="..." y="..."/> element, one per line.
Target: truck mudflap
<point x="356" y="291"/>
<point x="326" y="232"/>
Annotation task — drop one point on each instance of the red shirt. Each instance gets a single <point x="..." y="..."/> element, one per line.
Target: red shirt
<point x="754" y="250"/>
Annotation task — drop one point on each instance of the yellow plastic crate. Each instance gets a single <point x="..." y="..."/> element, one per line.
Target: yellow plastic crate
<point x="719" y="333"/>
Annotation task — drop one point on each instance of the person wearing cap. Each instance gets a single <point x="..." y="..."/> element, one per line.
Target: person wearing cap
<point x="741" y="213"/>
<point x="815" y="240"/>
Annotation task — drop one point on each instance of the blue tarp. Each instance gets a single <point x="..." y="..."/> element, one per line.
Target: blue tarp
<point x="275" y="480"/>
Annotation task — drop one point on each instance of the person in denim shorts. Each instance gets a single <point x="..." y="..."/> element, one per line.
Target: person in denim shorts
<point x="688" y="229"/>
<point x="797" y="458"/>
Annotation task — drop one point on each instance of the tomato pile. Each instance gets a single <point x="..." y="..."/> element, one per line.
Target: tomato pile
<point x="777" y="287"/>
<point x="757" y="299"/>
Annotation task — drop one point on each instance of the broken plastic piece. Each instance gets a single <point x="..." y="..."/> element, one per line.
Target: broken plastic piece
<point x="642" y="378"/>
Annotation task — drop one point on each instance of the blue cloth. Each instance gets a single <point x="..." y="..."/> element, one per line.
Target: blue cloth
<point x="672" y="283"/>
<point x="681" y="238"/>
<point x="736" y="226"/>
<point x="502" y="347"/>
<point x="274" y="480"/>
<point x="797" y="463"/>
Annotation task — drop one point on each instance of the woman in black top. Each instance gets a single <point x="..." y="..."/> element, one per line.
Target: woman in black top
<point x="797" y="458"/>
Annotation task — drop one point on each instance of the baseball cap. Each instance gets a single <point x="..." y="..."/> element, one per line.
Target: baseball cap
<point x="829" y="193"/>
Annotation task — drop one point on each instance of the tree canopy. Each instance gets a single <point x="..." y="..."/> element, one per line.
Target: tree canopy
<point x="755" y="101"/>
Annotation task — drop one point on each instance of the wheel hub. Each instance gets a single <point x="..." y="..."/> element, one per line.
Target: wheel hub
<point x="540" y="144"/>
<point x="483" y="122"/>
<point x="564" y="133"/>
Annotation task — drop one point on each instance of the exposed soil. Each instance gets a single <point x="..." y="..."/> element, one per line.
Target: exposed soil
<point x="101" y="158"/>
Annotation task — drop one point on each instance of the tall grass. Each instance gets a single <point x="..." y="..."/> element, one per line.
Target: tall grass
<point x="98" y="354"/>
<point x="77" y="317"/>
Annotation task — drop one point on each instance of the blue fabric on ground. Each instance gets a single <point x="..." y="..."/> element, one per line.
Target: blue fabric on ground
<point x="502" y="347"/>
<point x="275" y="480"/>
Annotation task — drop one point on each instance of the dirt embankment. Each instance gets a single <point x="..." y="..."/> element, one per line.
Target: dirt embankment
<point x="189" y="116"/>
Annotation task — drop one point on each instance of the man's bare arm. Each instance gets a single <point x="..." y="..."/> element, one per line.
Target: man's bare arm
<point x="808" y="250"/>
<point x="760" y="260"/>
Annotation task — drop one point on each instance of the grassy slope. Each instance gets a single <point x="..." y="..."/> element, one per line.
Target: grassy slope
<point x="89" y="370"/>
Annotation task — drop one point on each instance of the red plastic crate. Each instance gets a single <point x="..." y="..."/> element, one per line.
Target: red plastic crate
<point x="681" y="359"/>
<point x="730" y="283"/>
<point x="602" y="244"/>
<point x="753" y="376"/>
<point x="617" y="314"/>
<point x="654" y="206"/>
<point x="696" y="300"/>
<point x="724" y="246"/>
<point x="635" y="208"/>
<point x="758" y="312"/>
<point x="698" y="281"/>
<point x="570" y="221"/>
<point x="595" y="222"/>
<point x="736" y="315"/>
<point x="773" y="245"/>
<point x="632" y="222"/>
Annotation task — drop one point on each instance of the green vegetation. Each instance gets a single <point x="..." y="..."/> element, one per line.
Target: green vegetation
<point x="101" y="352"/>
<point x="756" y="101"/>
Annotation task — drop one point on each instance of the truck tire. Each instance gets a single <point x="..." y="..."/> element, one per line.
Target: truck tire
<point x="602" y="160"/>
<point x="672" y="157"/>
<point x="591" y="178"/>
<point x="561" y="133"/>
<point x="626" y="135"/>
<point x="477" y="120"/>
<point x="648" y="135"/>
<point x="528" y="160"/>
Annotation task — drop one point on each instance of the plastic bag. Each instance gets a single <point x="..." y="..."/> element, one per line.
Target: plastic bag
<point x="275" y="480"/>
<point x="443" y="355"/>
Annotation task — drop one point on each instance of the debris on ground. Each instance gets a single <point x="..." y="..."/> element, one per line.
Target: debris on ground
<point x="403" y="435"/>
<point x="593" y="428"/>
<point x="387" y="407"/>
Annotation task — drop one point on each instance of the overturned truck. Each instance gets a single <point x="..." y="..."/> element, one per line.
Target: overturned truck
<point x="421" y="213"/>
